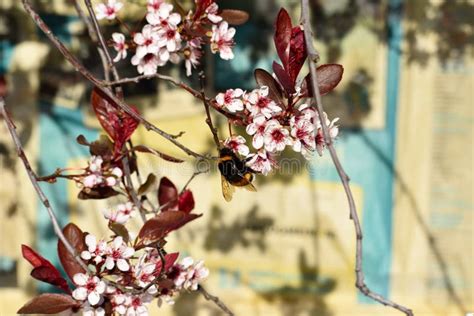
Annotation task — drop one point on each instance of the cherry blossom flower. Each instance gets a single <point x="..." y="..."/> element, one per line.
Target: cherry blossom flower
<point x="222" y="40"/>
<point x="117" y="255"/>
<point x="147" y="42"/>
<point x="97" y="176"/>
<point x="121" y="214"/>
<point x="261" y="162"/>
<point x="88" y="310"/>
<point x="237" y="144"/>
<point x="169" y="38"/>
<point x="108" y="11"/>
<point x="257" y="129"/>
<point x="95" y="250"/>
<point x="231" y="100"/>
<point x="258" y="102"/>
<point x="211" y="12"/>
<point x="276" y="137"/>
<point x="137" y="305"/>
<point x="304" y="141"/>
<point x="154" y="5"/>
<point x="118" y="302"/>
<point x="333" y="132"/>
<point x="192" y="53"/>
<point x="163" y="17"/>
<point x="119" y="46"/>
<point x="90" y="288"/>
<point x="190" y="274"/>
<point x="148" y="65"/>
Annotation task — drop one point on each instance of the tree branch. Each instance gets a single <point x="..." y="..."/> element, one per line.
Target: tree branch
<point x="33" y="179"/>
<point x="312" y="57"/>
<point x="202" y="79"/>
<point x="215" y="299"/>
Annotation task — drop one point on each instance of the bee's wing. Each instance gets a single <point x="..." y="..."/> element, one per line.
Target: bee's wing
<point x="250" y="187"/>
<point x="227" y="189"/>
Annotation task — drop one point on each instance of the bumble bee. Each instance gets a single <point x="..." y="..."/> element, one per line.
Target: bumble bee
<point x="234" y="173"/>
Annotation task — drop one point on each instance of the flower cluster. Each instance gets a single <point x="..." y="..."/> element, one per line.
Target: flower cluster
<point x="121" y="213"/>
<point x="98" y="174"/>
<point x="170" y="36"/>
<point x="272" y="127"/>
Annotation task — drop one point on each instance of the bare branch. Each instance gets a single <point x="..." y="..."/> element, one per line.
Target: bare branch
<point x="202" y="79"/>
<point x="312" y="58"/>
<point x="215" y="299"/>
<point x="33" y="178"/>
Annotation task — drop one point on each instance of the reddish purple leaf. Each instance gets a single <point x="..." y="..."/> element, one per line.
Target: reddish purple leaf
<point x="263" y="78"/>
<point x="329" y="76"/>
<point x="75" y="236"/>
<point x="49" y="304"/>
<point x="158" y="227"/>
<point x="119" y="125"/>
<point x="282" y="36"/>
<point x="167" y="194"/>
<point x="186" y="201"/>
<point x="170" y="259"/>
<point x="234" y="17"/>
<point x="298" y="53"/>
<point x="43" y="269"/>
<point x="284" y="78"/>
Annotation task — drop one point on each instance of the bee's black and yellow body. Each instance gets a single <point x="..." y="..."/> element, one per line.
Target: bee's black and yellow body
<point x="234" y="173"/>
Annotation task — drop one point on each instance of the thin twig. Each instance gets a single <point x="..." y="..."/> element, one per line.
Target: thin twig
<point x="33" y="179"/>
<point x="312" y="57"/>
<point x="202" y="79"/>
<point x="215" y="299"/>
<point x="89" y="76"/>
<point x="93" y="36"/>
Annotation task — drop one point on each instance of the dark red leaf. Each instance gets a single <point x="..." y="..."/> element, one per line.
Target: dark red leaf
<point x="329" y="76"/>
<point x="263" y="78"/>
<point x="284" y="78"/>
<point x="167" y="194"/>
<point x="118" y="124"/>
<point x="51" y="276"/>
<point x="234" y="17"/>
<point x="49" y="304"/>
<point x="43" y="269"/>
<point x="158" y="227"/>
<point x="170" y="259"/>
<point x="298" y="53"/>
<point x="75" y="236"/>
<point x="146" y="149"/>
<point x="186" y="201"/>
<point x="3" y="86"/>
<point x="282" y="36"/>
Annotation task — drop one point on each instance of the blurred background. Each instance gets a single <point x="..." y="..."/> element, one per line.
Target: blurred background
<point x="406" y="141"/>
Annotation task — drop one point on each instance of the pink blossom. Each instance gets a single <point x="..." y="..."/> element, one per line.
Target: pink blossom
<point x="121" y="214"/>
<point x="333" y="132"/>
<point x="276" y="137"/>
<point x="154" y="5"/>
<point x="88" y="287"/>
<point x="88" y="310"/>
<point x="258" y="102"/>
<point x="169" y="38"/>
<point x="119" y="46"/>
<point x="117" y="255"/>
<point x="231" y="100"/>
<point x="222" y="40"/>
<point x="163" y="17"/>
<point x="108" y="11"/>
<point x="147" y="42"/>
<point x="237" y="144"/>
<point x="192" y="54"/>
<point x="148" y="65"/>
<point x="137" y="304"/>
<point x="304" y="139"/>
<point x="95" y="250"/>
<point x="257" y="129"/>
<point x="211" y="12"/>
<point x="190" y="274"/>
<point x="118" y="302"/>
<point x="261" y="162"/>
